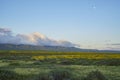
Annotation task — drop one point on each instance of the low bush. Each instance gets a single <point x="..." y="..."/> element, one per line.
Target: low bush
<point x="44" y="76"/>
<point x="14" y="64"/>
<point x="61" y="74"/>
<point x="37" y="63"/>
<point x="9" y="75"/>
<point x="95" y="75"/>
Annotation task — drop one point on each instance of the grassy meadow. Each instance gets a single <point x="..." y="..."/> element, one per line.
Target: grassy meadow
<point x="49" y="65"/>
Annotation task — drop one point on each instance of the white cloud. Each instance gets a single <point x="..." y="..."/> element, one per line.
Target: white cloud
<point x="5" y="31"/>
<point x="35" y="38"/>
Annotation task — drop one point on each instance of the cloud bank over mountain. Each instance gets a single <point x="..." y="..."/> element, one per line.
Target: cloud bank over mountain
<point x="36" y="38"/>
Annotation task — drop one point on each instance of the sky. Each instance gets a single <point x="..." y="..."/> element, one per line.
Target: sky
<point x="93" y="24"/>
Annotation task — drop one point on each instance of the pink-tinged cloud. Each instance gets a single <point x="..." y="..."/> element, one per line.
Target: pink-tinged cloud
<point x="35" y="38"/>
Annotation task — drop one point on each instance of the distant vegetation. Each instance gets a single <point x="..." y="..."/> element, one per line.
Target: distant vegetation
<point x="67" y="58"/>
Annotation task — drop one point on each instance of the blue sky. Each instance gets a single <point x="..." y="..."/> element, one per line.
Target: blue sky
<point x="90" y="23"/>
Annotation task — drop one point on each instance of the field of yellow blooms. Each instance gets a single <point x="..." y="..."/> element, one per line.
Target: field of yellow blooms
<point x="78" y="56"/>
<point x="72" y="58"/>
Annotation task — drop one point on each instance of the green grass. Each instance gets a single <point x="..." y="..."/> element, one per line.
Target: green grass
<point x="110" y="72"/>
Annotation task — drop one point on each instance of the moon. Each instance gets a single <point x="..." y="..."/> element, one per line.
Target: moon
<point x="94" y="7"/>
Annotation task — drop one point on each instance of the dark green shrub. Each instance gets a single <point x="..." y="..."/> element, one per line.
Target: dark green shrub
<point x="108" y="62"/>
<point x="37" y="63"/>
<point x="61" y="74"/>
<point x="95" y="75"/>
<point x="43" y="76"/>
<point x="14" y="64"/>
<point x="113" y="62"/>
<point x="8" y="75"/>
<point x="66" y="62"/>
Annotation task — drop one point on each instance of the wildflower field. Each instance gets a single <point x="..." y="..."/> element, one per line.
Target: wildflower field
<point x="49" y="65"/>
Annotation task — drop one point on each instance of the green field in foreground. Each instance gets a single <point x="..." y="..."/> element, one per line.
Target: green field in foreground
<point x="20" y="65"/>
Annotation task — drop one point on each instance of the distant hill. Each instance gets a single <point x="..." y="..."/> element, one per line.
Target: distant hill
<point x="48" y="48"/>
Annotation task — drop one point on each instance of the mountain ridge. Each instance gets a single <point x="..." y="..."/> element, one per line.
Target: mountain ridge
<point x="49" y="48"/>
